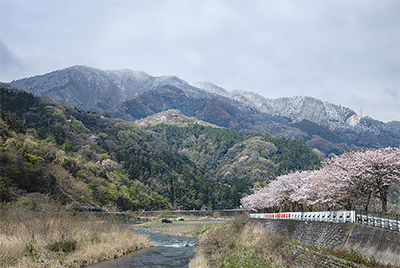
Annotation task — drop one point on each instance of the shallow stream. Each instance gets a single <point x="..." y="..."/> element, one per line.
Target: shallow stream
<point x="170" y="251"/>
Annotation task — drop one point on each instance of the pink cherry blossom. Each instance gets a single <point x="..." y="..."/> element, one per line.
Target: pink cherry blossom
<point x="343" y="181"/>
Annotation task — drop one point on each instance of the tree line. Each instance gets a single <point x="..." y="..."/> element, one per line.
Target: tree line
<point x="347" y="181"/>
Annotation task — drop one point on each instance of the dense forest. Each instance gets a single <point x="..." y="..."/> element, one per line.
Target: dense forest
<point x="91" y="159"/>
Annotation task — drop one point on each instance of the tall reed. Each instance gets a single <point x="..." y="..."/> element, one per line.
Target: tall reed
<point x="45" y="235"/>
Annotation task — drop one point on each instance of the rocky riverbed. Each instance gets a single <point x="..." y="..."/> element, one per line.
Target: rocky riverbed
<point x="188" y="227"/>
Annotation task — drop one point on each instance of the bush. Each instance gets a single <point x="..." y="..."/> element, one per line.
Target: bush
<point x="64" y="246"/>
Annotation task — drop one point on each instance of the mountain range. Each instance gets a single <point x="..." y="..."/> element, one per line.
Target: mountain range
<point x="132" y="95"/>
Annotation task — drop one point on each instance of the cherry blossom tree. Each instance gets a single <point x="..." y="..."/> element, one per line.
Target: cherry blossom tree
<point x="342" y="181"/>
<point x="362" y="174"/>
<point x="280" y="195"/>
<point x="378" y="169"/>
<point x="302" y="189"/>
<point x="253" y="201"/>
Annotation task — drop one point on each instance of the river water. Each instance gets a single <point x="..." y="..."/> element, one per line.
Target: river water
<point x="170" y="251"/>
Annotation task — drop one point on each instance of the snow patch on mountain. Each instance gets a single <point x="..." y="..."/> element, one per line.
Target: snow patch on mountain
<point x="353" y="120"/>
<point x="294" y="107"/>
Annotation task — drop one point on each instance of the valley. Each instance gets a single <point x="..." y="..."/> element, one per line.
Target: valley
<point x="84" y="139"/>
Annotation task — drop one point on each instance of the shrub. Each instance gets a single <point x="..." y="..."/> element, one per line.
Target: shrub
<point x="64" y="246"/>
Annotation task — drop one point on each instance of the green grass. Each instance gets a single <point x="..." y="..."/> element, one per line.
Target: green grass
<point x="245" y="258"/>
<point x="350" y="255"/>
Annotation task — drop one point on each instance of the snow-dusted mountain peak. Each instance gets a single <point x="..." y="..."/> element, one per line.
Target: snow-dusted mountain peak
<point x="210" y="87"/>
<point x="132" y="95"/>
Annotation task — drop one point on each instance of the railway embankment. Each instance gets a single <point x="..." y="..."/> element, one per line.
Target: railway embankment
<point x="382" y="244"/>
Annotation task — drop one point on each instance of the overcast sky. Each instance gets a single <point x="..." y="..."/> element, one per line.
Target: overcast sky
<point x="343" y="51"/>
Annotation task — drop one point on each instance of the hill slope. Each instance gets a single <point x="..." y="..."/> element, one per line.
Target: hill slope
<point x="91" y="159"/>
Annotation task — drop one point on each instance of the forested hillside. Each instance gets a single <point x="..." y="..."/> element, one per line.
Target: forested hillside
<point x="56" y="149"/>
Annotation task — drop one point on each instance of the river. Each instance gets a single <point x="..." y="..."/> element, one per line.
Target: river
<point x="170" y="251"/>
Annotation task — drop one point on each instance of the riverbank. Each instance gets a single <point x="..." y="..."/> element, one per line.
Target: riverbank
<point x="240" y="243"/>
<point x="49" y="236"/>
<point x="189" y="227"/>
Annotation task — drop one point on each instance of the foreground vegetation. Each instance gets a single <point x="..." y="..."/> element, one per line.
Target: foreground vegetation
<point x="43" y="234"/>
<point x="243" y="243"/>
<point x="239" y="244"/>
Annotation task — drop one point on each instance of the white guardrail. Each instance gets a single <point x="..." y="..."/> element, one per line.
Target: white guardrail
<point x="372" y="220"/>
<point x="335" y="216"/>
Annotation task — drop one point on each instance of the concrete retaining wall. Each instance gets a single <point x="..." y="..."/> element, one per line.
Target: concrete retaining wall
<point x="382" y="244"/>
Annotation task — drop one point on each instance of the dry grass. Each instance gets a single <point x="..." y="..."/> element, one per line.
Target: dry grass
<point x="47" y="236"/>
<point x="200" y="261"/>
<point x="240" y="244"/>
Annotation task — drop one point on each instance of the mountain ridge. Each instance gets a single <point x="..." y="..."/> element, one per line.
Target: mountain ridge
<point x="291" y="107"/>
<point x="132" y="95"/>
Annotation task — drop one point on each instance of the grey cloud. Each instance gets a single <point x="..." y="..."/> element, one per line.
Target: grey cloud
<point x="332" y="50"/>
<point x="8" y="58"/>
<point x="10" y="64"/>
